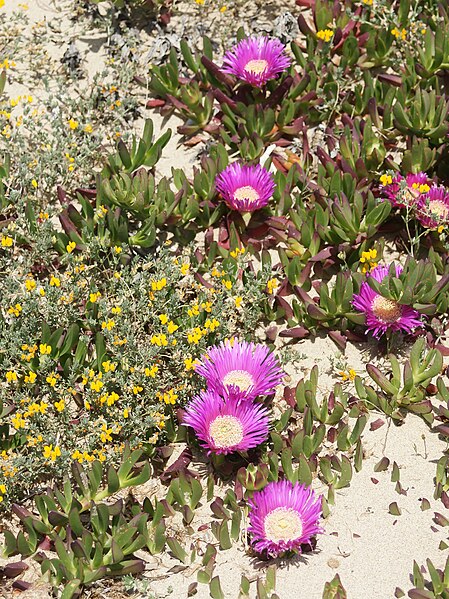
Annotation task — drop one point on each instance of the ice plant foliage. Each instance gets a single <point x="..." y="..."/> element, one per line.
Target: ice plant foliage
<point x="405" y="191"/>
<point x="248" y="368"/>
<point x="226" y="426"/>
<point x="433" y="208"/>
<point x="383" y="314"/>
<point x="283" y="516"/>
<point x="256" y="60"/>
<point x="245" y="188"/>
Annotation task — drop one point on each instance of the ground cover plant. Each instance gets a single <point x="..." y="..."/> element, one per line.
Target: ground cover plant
<point x="184" y="219"/>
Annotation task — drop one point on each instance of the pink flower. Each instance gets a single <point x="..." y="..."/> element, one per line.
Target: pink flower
<point x="383" y="314"/>
<point x="433" y="208"/>
<point x="249" y="368"/>
<point x="283" y="516"/>
<point x="256" y="60"/>
<point x="226" y="426"/>
<point x="245" y="188"/>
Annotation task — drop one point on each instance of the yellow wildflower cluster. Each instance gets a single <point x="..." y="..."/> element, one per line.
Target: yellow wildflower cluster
<point x="347" y="376"/>
<point x="272" y="285"/>
<point x="6" y="241"/>
<point x="52" y="379"/>
<point x="30" y="377"/>
<point x="152" y="371"/>
<point x="109" y="398"/>
<point x="109" y="324"/>
<point x="195" y="335"/>
<point x="2" y="487"/>
<point x="368" y="260"/>
<point x="16" y="310"/>
<point x="50" y="453"/>
<point x="421" y="187"/>
<point x="55" y="281"/>
<point x="169" y="397"/>
<point x="44" y="349"/>
<point x="11" y="376"/>
<point x="158" y="285"/>
<point x="236" y="253"/>
<point x="70" y="246"/>
<point x="325" y="34"/>
<point x="402" y="35"/>
<point x="32" y="349"/>
<point x="84" y="456"/>
<point x="190" y="364"/>
<point x="159" y="340"/>
<point x="30" y="285"/>
<point x="386" y="179"/>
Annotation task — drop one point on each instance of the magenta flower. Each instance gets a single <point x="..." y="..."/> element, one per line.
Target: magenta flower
<point x="245" y="188"/>
<point x="245" y="367"/>
<point x="283" y="516"/>
<point x="225" y="426"/>
<point x="433" y="208"/>
<point x="256" y="60"/>
<point x="382" y="314"/>
<point x="405" y="191"/>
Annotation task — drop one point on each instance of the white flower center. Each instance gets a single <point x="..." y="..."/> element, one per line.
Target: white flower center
<point x="386" y="310"/>
<point x="226" y="431"/>
<point x="246" y="193"/>
<point x="240" y="378"/>
<point x="438" y="208"/>
<point x="256" y="66"/>
<point x="283" y="524"/>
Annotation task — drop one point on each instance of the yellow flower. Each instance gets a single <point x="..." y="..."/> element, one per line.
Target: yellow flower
<point x="70" y="247"/>
<point x="30" y="377"/>
<point x="94" y="297"/>
<point x="272" y="285"/>
<point x="60" y="405"/>
<point x="185" y="268"/>
<point x="44" y="349"/>
<point x="108" y="366"/>
<point x="172" y="327"/>
<point x="368" y="2"/>
<point x="96" y="386"/>
<point x="16" y="310"/>
<point x="50" y="453"/>
<point x="30" y="284"/>
<point x="73" y="124"/>
<point x="51" y="380"/>
<point x="110" y="324"/>
<point x="34" y="183"/>
<point x="152" y="371"/>
<point x="7" y="241"/>
<point x="238" y="301"/>
<point x="55" y="281"/>
<point x="118" y="249"/>
<point x="158" y="285"/>
<point x="325" y="34"/>
<point x="190" y="364"/>
<point x="88" y="128"/>
<point x="11" y="376"/>
<point x="116" y="310"/>
<point x="2" y="3"/>
<point x="399" y="34"/>
<point x="105" y="435"/>
<point x="18" y="421"/>
<point x="223" y="8"/>
<point x="159" y="340"/>
<point x="137" y="389"/>
<point x="368" y="260"/>
<point x="386" y="179"/>
<point x="163" y="318"/>
<point x="228" y="284"/>
<point x="126" y="413"/>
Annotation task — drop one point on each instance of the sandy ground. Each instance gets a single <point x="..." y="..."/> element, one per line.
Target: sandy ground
<point x="372" y="551"/>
